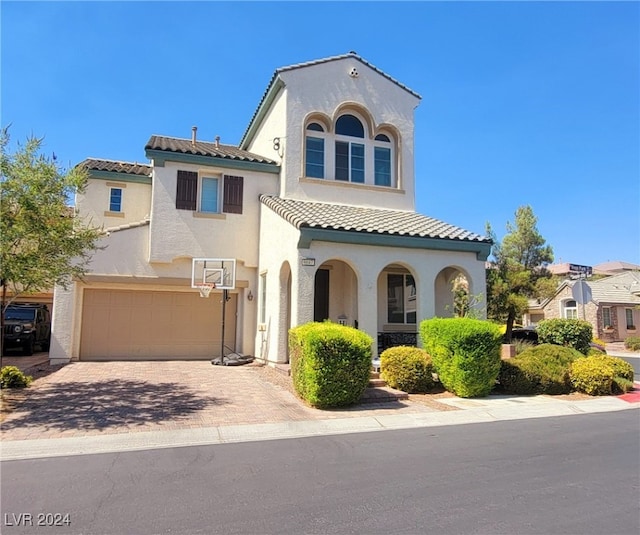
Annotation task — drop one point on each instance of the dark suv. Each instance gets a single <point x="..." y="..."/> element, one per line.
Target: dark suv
<point x="26" y="326"/>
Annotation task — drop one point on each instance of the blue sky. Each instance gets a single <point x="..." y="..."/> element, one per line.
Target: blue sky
<point x="532" y="103"/>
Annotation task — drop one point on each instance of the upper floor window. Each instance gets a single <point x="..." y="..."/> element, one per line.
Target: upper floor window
<point x="115" y="200"/>
<point x="350" y="155"/>
<point x="202" y="193"/>
<point x="314" y="161"/>
<point x="570" y="310"/>
<point x="209" y="195"/>
<point x="382" y="160"/>
<point x="349" y="152"/>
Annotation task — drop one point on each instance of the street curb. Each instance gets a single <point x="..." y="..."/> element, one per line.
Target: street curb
<point x="500" y="410"/>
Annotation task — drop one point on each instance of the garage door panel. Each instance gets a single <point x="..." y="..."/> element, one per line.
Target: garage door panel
<point x="134" y="325"/>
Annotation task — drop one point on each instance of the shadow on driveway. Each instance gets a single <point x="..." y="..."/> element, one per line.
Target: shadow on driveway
<point x="104" y="405"/>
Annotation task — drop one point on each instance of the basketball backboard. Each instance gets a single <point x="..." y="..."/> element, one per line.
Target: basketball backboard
<point x="218" y="271"/>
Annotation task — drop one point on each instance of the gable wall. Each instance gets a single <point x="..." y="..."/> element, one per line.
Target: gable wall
<point x="324" y="88"/>
<point x="93" y="203"/>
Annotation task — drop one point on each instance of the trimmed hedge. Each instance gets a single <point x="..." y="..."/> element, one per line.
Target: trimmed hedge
<point x="330" y="363"/>
<point x="593" y="377"/>
<point x="543" y="369"/>
<point x="12" y="377"/>
<point x="408" y="369"/>
<point x="566" y="332"/>
<point x="465" y="353"/>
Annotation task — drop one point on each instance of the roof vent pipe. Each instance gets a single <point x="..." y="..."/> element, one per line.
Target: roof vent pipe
<point x="194" y="129"/>
<point x="217" y="142"/>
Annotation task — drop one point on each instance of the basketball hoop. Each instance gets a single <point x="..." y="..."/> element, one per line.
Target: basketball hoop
<point x="205" y="288"/>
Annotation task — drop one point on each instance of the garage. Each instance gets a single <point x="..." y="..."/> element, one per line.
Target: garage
<point x="154" y="325"/>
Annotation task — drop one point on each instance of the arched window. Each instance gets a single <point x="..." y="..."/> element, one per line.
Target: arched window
<point x="382" y="160"/>
<point x="569" y="310"/>
<point x="350" y="151"/>
<point x="314" y="154"/>
<point x="350" y="154"/>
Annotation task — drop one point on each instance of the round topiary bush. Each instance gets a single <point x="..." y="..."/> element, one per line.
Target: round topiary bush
<point x="542" y="369"/>
<point x="12" y="377"/>
<point x="407" y="368"/>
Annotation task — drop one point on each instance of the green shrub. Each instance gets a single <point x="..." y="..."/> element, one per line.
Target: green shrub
<point x="566" y="332"/>
<point x="12" y="377"/>
<point x="622" y="373"/>
<point x="407" y="368"/>
<point x="593" y="352"/>
<point x="330" y="363"/>
<point x="592" y="375"/>
<point x="465" y="353"/>
<point x="632" y="343"/>
<point x="522" y="345"/>
<point x="543" y="369"/>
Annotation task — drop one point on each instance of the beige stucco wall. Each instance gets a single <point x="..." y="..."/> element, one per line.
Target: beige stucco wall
<point x="93" y="204"/>
<point x="365" y="262"/>
<point x="325" y="88"/>
<point x="121" y="263"/>
<point x="184" y="233"/>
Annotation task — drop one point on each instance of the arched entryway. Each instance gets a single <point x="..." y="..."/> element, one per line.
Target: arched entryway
<point x="336" y="293"/>
<point x="398" y="307"/>
<point x="453" y="292"/>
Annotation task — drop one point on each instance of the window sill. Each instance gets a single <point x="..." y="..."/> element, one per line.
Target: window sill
<point x="209" y="215"/>
<point x="113" y="214"/>
<point x="353" y="185"/>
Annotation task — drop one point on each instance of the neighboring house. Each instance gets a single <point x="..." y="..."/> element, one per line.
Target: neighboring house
<point x="565" y="269"/>
<point x="316" y="206"/>
<point x="614" y="310"/>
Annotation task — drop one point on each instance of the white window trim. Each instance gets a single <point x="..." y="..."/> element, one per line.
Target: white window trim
<point x="330" y="137"/>
<point x="564" y="308"/>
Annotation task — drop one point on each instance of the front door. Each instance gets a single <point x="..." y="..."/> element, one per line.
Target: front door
<point x="321" y="296"/>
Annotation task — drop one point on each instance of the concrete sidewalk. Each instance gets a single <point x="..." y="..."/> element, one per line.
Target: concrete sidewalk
<point x="486" y="410"/>
<point x="100" y="407"/>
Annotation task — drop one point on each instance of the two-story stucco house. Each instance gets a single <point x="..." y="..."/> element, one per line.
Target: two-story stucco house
<point x="316" y="206"/>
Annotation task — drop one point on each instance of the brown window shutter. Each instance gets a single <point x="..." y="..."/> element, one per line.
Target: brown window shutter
<point x="233" y="190"/>
<point x="187" y="190"/>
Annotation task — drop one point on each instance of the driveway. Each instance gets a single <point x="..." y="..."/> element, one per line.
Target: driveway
<point x="92" y="398"/>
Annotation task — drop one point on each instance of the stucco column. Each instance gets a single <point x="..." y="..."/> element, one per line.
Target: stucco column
<point x="367" y="309"/>
<point x="62" y="325"/>
<point x="302" y="289"/>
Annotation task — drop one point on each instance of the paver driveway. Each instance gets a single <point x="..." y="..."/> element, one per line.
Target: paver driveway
<point x="88" y="398"/>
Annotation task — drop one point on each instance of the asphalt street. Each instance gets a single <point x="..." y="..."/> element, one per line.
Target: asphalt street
<point x="564" y="475"/>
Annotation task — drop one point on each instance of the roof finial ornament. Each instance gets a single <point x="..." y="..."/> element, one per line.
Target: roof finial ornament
<point x="217" y="142"/>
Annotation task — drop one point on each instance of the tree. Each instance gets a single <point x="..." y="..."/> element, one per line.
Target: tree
<point x="517" y="270"/>
<point x="42" y="243"/>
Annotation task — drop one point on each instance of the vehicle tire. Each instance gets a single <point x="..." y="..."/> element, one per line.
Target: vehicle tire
<point x="27" y="348"/>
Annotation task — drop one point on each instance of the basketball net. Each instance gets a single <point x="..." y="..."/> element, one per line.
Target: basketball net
<point x="205" y="289"/>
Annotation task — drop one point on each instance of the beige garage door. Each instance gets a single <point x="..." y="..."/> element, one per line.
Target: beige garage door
<point x="148" y="325"/>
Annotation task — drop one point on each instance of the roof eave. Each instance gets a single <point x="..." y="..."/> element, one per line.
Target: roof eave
<point x="159" y="158"/>
<point x="272" y="92"/>
<point x="309" y="234"/>
<point x="119" y="177"/>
